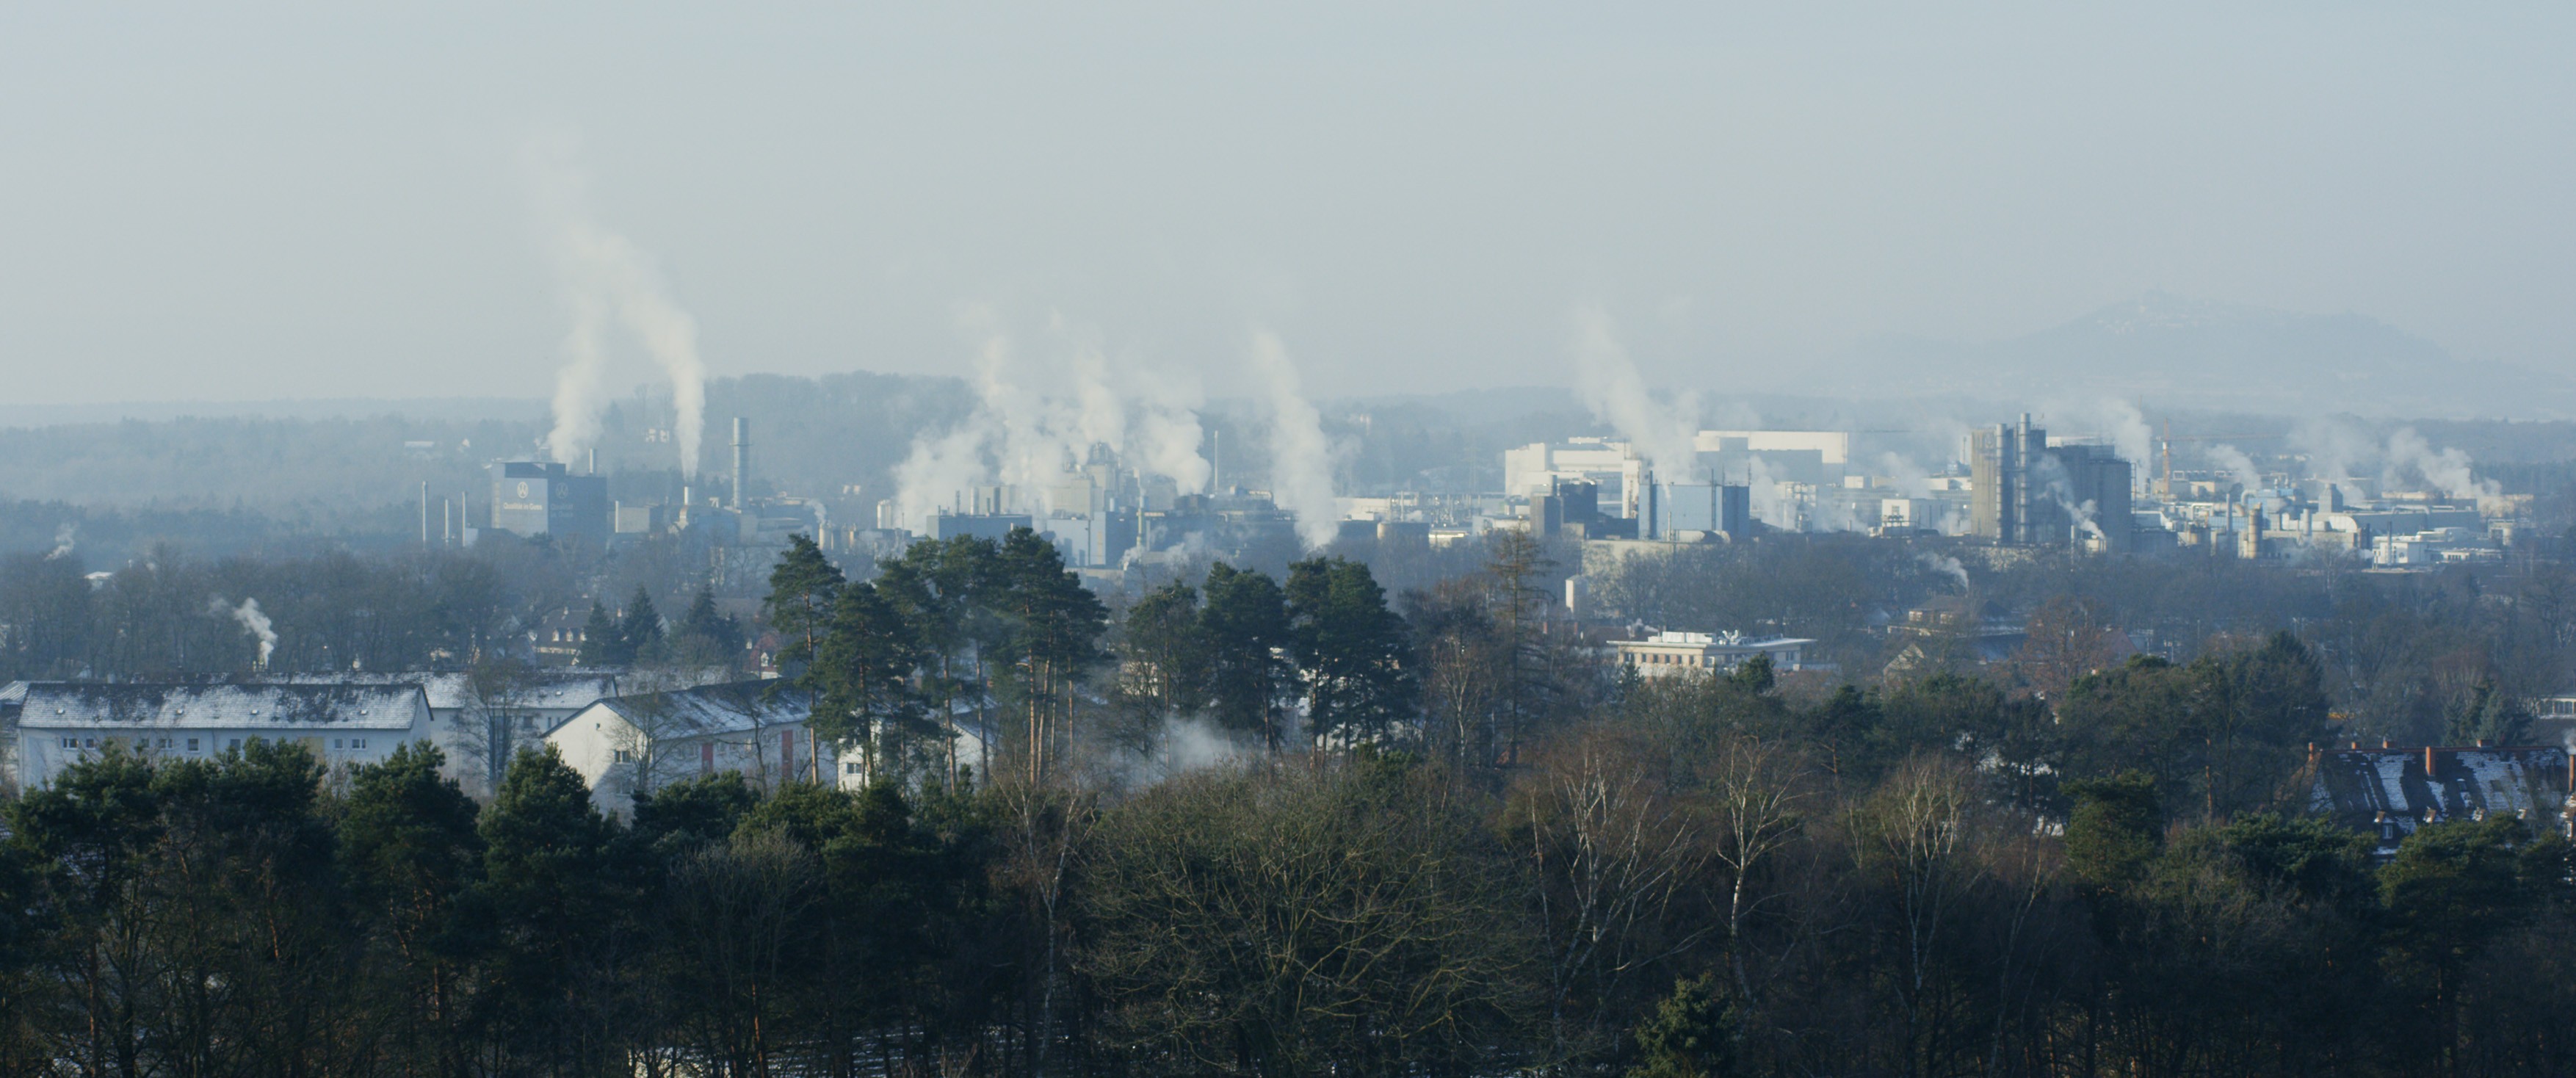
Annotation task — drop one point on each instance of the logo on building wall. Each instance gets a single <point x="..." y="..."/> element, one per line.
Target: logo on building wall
<point x="523" y="490"/>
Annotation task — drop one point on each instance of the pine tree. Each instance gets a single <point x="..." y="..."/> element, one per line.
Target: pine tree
<point x="1056" y="626"/>
<point x="407" y="836"/>
<point x="861" y="679"/>
<point x="640" y="634"/>
<point x="1352" y="650"/>
<point x="1167" y="653"/>
<point x="1245" y="624"/>
<point x="799" y="606"/>
<point x="943" y="589"/>
<point x="547" y="897"/>
<point x="602" y="642"/>
<point x="705" y="635"/>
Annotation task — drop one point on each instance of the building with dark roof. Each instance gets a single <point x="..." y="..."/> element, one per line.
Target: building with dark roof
<point x="2389" y="792"/>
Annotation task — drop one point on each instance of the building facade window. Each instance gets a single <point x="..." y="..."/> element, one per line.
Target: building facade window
<point x="192" y="744"/>
<point x="71" y="742"/>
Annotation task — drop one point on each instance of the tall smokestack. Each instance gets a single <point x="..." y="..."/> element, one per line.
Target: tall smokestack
<point x="741" y="459"/>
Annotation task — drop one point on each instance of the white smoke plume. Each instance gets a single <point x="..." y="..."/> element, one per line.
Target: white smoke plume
<point x="1946" y="566"/>
<point x="1035" y="418"/>
<point x="1301" y="460"/>
<point x="1911" y="480"/>
<point x="2412" y="461"/>
<point x="605" y="276"/>
<point x="2337" y="450"/>
<point x="2061" y="490"/>
<point x="2234" y="461"/>
<point x="1617" y="394"/>
<point x="252" y="621"/>
<point x="2117" y="423"/>
<point x="64" y="534"/>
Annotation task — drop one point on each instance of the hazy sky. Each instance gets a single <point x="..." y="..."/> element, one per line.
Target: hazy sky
<point x="335" y="200"/>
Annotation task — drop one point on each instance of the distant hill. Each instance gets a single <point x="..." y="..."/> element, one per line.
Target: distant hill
<point x="2175" y="351"/>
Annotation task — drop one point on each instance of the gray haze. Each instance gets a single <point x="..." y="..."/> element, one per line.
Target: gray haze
<point x="332" y="201"/>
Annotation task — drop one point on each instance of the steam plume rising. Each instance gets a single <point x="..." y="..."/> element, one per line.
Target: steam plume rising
<point x="1301" y="462"/>
<point x="64" y="534"/>
<point x="252" y="621"/>
<point x="2447" y="472"/>
<point x="1947" y="566"/>
<point x="2237" y="464"/>
<point x="603" y="276"/>
<point x="1617" y="395"/>
<point x="1034" y="418"/>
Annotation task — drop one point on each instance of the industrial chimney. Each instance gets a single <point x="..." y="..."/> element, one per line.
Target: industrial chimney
<point x="741" y="460"/>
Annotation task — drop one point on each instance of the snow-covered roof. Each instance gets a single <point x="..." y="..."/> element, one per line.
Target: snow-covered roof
<point x="730" y="708"/>
<point x="564" y="688"/>
<point x="2406" y="788"/>
<point x="88" y="705"/>
<point x="1725" y="641"/>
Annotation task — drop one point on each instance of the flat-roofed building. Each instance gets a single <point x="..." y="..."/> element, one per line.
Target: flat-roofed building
<point x="1672" y="654"/>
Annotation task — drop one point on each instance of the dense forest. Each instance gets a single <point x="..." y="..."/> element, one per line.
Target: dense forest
<point x="1292" y="824"/>
<point x="1684" y="878"/>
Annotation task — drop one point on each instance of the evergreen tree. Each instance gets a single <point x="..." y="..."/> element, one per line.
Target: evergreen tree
<point x="861" y="680"/>
<point x="602" y="642"/>
<point x="408" y="840"/>
<point x="1690" y="1035"/>
<point x="1167" y="653"/>
<point x="799" y="605"/>
<point x="549" y="900"/>
<point x="945" y="591"/>
<point x="1352" y="650"/>
<point x="1055" y="625"/>
<point x="640" y="633"/>
<point x="2115" y="829"/>
<point x="706" y="636"/>
<point x="2490" y="716"/>
<point x="1245" y="626"/>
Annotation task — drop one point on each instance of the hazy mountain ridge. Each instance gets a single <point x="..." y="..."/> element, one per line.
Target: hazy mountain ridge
<point x="2176" y="351"/>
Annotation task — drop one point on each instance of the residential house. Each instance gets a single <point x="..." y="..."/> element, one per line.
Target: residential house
<point x="2388" y="792"/>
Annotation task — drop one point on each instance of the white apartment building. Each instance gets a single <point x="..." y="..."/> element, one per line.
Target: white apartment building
<point x="62" y="723"/>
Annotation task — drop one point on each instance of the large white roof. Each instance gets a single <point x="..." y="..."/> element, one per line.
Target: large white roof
<point x="454" y="690"/>
<point x="730" y="708"/>
<point x="89" y="705"/>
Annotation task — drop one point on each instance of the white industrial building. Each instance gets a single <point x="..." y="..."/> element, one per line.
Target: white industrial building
<point x="62" y="723"/>
<point x="1672" y="654"/>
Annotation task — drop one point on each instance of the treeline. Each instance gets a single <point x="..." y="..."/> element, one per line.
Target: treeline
<point x="2406" y="654"/>
<point x="1000" y="640"/>
<point x="1688" y="877"/>
<point x="170" y="615"/>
